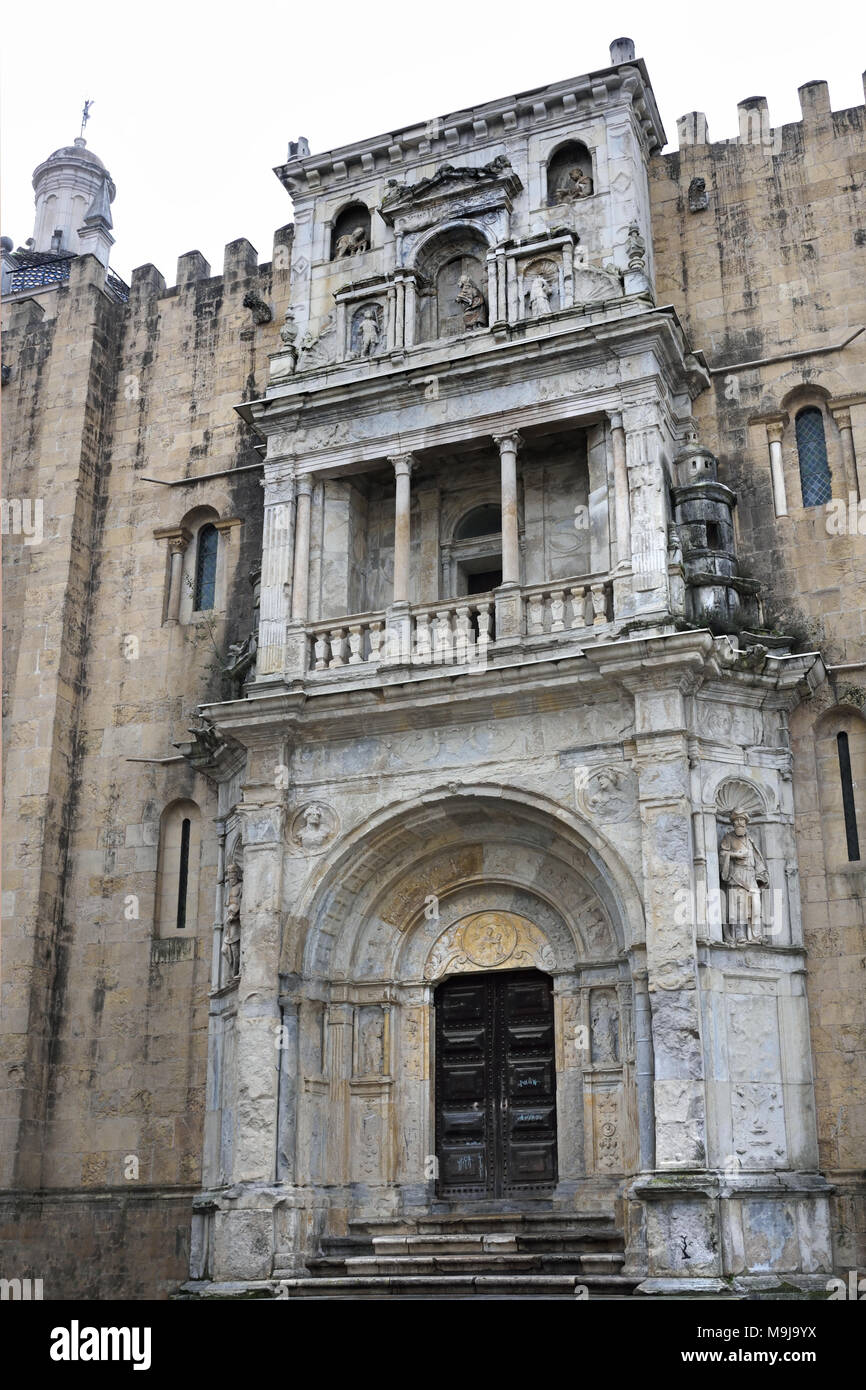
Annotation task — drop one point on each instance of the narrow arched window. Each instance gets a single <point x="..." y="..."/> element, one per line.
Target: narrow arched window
<point x="205" y="568"/>
<point x="178" y="869"/>
<point x="183" y="873"/>
<point x="848" y="806"/>
<point x="812" y="454"/>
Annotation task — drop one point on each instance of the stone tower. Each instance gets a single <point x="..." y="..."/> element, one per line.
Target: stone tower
<point x="74" y="193"/>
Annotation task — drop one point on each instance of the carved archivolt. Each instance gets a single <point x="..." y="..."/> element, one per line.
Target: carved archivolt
<point x="489" y="941"/>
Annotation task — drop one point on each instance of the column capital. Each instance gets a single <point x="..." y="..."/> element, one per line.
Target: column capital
<point x="615" y="418"/>
<point x="509" y="440"/>
<point x="177" y="536"/>
<point x="304" y="486"/>
<point x="841" y="414"/>
<point x="403" y="464"/>
<point x="775" y="430"/>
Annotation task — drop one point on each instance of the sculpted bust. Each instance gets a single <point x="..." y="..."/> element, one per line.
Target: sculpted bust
<point x="743" y="872"/>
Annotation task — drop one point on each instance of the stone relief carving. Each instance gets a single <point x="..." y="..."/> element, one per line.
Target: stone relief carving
<point x="474" y="303"/>
<point x="591" y="284"/>
<point x="607" y="794"/>
<point x="604" y="1020"/>
<point x="743" y="873"/>
<point x="605" y="1112"/>
<point x="539" y="296"/>
<point x="759" y="1125"/>
<point x="317" y="349"/>
<point x="313" y="827"/>
<point x="231" y="945"/>
<point x="397" y="194"/>
<point x="366" y="332"/>
<point x="489" y="941"/>
<point x="371" y="1033"/>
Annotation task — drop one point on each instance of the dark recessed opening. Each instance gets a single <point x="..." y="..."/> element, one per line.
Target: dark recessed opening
<point x="483" y="582"/>
<point x="714" y="535"/>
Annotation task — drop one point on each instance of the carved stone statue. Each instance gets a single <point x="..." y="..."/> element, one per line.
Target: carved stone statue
<point x="289" y="330"/>
<point x="317" y="349"/>
<point x="539" y="296"/>
<point x="698" y="197"/>
<point x="474" y="306"/>
<point x="635" y="248"/>
<point x="573" y="185"/>
<point x="314" y="833"/>
<point x="743" y="872"/>
<point x="231" y="947"/>
<point x="604" y="1018"/>
<point x="368" y="333"/>
<point x="261" y="311"/>
<point x="354" y="243"/>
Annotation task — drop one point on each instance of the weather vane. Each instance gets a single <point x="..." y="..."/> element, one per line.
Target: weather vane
<point x="85" y="115"/>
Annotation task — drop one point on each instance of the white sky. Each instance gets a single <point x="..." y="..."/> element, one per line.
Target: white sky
<point x="194" y="104"/>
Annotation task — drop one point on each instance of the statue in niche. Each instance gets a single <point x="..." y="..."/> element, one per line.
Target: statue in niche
<point x="743" y="871"/>
<point x="474" y="305"/>
<point x="604" y="1017"/>
<point x="574" y="184"/>
<point x="231" y="947"/>
<point x="366" y="333"/>
<point x="539" y="296"/>
<point x="354" y="243"/>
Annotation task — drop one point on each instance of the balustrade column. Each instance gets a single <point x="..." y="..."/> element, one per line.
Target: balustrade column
<point x="402" y="472"/>
<point x="508" y="445"/>
<point x="301" y="577"/>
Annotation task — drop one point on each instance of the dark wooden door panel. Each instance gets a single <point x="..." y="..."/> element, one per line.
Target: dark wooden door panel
<point x="495" y="1085"/>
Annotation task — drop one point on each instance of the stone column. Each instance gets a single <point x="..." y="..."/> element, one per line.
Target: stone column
<point x="402" y="471"/>
<point x="501" y="291"/>
<point x="277" y="548"/>
<point x="842" y="416"/>
<point x="400" y="315"/>
<point x="508" y="445"/>
<point x="177" y="544"/>
<point x="301" y="577"/>
<point x="491" y="284"/>
<point x="620" y="484"/>
<point x="777" y="472"/>
<point x="409" y="313"/>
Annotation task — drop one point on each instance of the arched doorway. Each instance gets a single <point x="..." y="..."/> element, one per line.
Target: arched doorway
<point x="495" y="1080"/>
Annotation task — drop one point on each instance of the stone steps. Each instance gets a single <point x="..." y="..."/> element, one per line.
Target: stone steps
<point x="491" y="1286"/>
<point x="467" y="1255"/>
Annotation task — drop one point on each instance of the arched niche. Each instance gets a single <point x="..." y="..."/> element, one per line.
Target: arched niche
<point x="350" y="233"/>
<point x="570" y="175"/>
<point x="453" y="295"/>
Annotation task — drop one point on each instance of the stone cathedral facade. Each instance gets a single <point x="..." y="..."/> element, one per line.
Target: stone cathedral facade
<point x="435" y="719"/>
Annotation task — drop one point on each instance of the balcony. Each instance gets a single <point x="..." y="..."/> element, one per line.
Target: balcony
<point x="458" y="633"/>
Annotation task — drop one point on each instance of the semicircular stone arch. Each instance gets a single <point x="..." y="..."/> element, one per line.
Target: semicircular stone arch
<point x="378" y="907"/>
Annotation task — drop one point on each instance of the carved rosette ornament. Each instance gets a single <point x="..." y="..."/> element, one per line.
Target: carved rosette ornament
<point x="489" y="941"/>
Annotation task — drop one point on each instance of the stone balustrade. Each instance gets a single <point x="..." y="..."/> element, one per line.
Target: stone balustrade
<point x="453" y="632"/>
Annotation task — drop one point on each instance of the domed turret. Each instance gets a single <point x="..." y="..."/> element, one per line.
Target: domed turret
<point x="74" y="192"/>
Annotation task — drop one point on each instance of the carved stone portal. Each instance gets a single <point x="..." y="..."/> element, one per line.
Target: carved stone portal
<point x="489" y="941"/>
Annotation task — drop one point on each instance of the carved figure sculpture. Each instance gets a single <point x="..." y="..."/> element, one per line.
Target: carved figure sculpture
<point x="289" y="330"/>
<point x="474" y="306"/>
<point x="314" y="833"/>
<point x="260" y="310"/>
<point x="635" y="248"/>
<point x="698" y="197"/>
<point x="539" y="296"/>
<point x="604" y="1017"/>
<point x="368" y="330"/>
<point x="354" y="243"/>
<point x="743" y="872"/>
<point x="575" y="184"/>
<point x="231" y="947"/>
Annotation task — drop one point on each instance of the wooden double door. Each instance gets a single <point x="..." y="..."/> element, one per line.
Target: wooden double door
<point x="495" y="1085"/>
